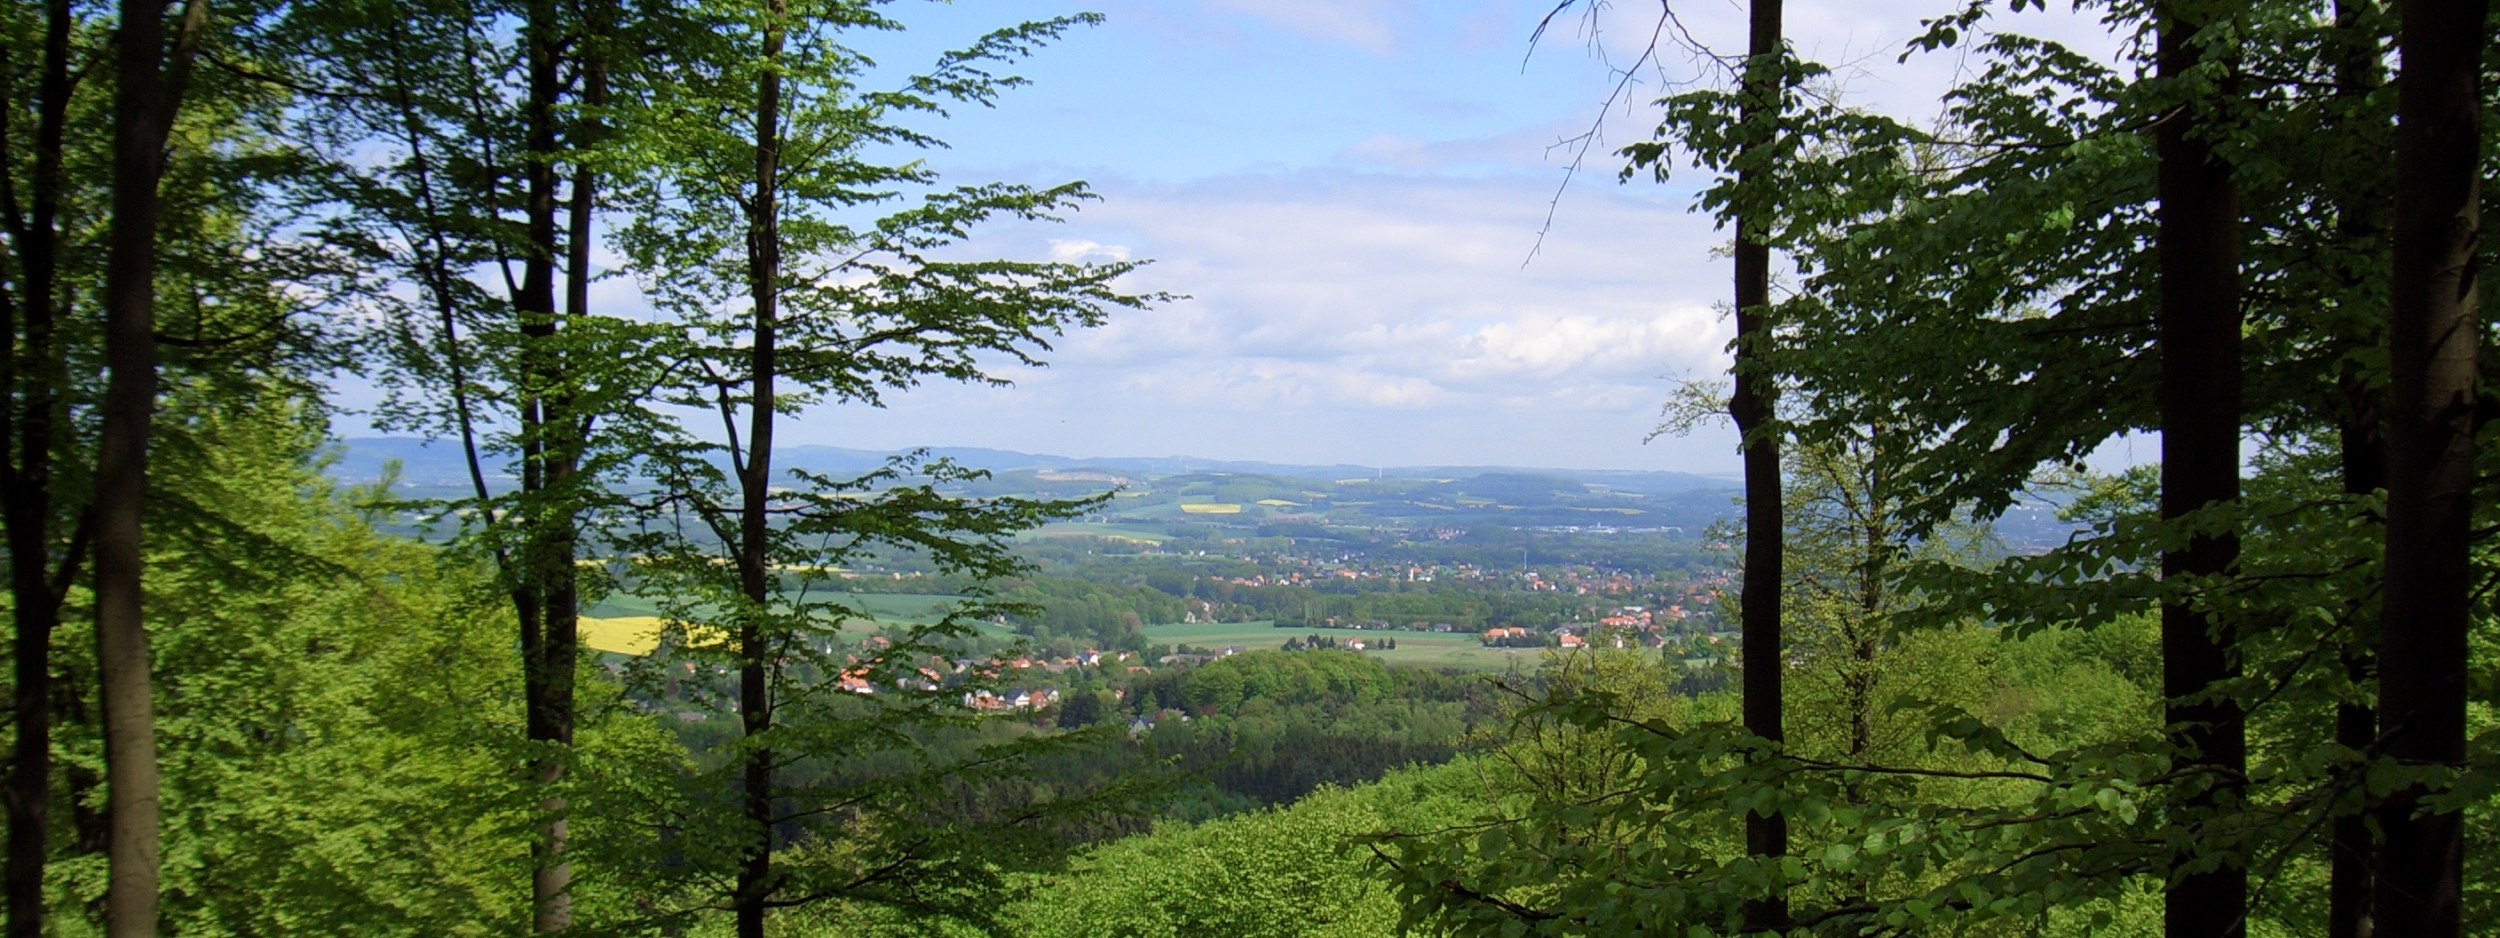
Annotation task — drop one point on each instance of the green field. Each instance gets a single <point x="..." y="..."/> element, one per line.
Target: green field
<point x="1422" y="649"/>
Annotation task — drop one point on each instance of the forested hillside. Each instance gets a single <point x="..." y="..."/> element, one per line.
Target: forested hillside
<point x="589" y="644"/>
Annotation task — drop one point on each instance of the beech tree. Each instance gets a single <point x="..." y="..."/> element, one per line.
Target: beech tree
<point x="48" y="532"/>
<point x="762" y="231"/>
<point x="1754" y="404"/>
<point x="2197" y="329"/>
<point x="2361" y="208"/>
<point x="145" y="262"/>
<point x="470" y="134"/>
<point x="2434" y="335"/>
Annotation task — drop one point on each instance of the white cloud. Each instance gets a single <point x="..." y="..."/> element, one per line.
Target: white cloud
<point x="1372" y="315"/>
<point x="1068" y="251"/>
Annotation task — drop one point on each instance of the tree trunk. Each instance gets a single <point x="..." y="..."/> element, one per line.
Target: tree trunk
<point x="756" y="642"/>
<point x="546" y="594"/>
<point x="2198" y="322"/>
<point x="2361" y="223"/>
<point x="2432" y="339"/>
<point x="1752" y="405"/>
<point x="143" y="108"/>
<point x="30" y="507"/>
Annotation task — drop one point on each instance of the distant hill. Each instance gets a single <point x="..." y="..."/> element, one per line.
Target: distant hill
<point x="1182" y="491"/>
<point x="432" y="463"/>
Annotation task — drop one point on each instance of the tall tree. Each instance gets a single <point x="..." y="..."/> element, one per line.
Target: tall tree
<point x="2361" y="222"/>
<point x="1754" y="405"/>
<point x="188" y="204"/>
<point x="43" y="560"/>
<point x="751" y="233"/>
<point x="2197" y="325"/>
<point x="476" y="147"/>
<point x="2433" y="342"/>
<point x="150" y="79"/>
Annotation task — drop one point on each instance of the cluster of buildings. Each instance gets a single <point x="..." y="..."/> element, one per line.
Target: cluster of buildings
<point x="860" y="677"/>
<point x="1623" y="627"/>
<point x="987" y="702"/>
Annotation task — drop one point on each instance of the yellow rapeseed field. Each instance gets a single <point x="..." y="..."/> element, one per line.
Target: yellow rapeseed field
<point x="636" y="635"/>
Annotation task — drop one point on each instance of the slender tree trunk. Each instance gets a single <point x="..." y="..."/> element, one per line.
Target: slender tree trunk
<point x="2361" y="223"/>
<point x="30" y="765"/>
<point x="2199" y="332"/>
<point x="1752" y="405"/>
<point x="144" y="101"/>
<point x="755" y="642"/>
<point x="2351" y="851"/>
<point x="2432" y="347"/>
<point x="1875" y="544"/>
<point x="567" y="432"/>
<point x="30" y="504"/>
<point x="546" y="595"/>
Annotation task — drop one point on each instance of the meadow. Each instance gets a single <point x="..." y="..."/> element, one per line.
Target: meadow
<point x="1116" y="532"/>
<point x="1421" y="649"/>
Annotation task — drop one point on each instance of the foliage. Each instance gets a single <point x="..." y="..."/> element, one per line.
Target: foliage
<point x="1978" y="294"/>
<point x="798" y="261"/>
<point x="1291" y="871"/>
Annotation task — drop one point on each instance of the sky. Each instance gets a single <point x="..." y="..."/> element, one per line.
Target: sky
<point x="1367" y="204"/>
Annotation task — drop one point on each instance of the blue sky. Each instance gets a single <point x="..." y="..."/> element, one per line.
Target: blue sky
<point x="1350" y="192"/>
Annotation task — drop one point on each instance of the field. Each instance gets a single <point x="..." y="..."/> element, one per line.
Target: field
<point x="629" y="625"/>
<point x="1210" y="508"/>
<point x="1422" y="649"/>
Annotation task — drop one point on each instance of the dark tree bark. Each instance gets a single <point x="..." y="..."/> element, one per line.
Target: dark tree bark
<point x="547" y="591"/>
<point x="39" y="569"/>
<point x="756" y="643"/>
<point x="2361" y="223"/>
<point x="559" y="635"/>
<point x="1752" y="406"/>
<point x="2198" y="324"/>
<point x="2432" y="347"/>
<point x="144" y="98"/>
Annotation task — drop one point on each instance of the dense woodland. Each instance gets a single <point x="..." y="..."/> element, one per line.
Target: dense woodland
<point x="2252" y="696"/>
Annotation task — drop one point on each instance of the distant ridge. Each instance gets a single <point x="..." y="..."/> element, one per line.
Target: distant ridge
<point x="439" y="462"/>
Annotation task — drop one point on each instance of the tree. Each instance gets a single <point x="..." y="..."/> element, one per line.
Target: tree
<point x="190" y="200"/>
<point x="2360" y="435"/>
<point x="151" y="79"/>
<point x="2198" y="325"/>
<point x="1753" y="404"/>
<point x="2433" y="335"/>
<point x="1080" y="709"/>
<point x="44" y="559"/>
<point x="751" y="233"/>
<point x="452" y="188"/>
